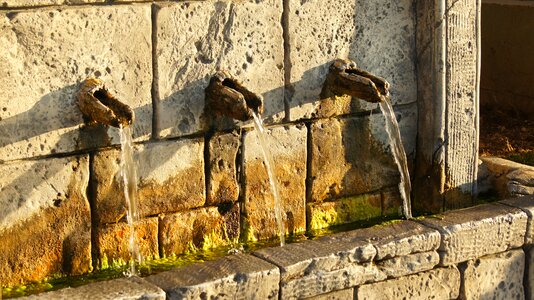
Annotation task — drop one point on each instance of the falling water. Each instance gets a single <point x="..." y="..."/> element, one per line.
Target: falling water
<point x="258" y="124"/>
<point x="392" y="128"/>
<point x="129" y="179"/>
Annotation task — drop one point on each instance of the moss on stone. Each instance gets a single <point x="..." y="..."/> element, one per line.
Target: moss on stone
<point x="105" y="263"/>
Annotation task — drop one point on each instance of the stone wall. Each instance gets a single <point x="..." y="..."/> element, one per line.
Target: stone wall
<point x="62" y="210"/>
<point x="483" y="252"/>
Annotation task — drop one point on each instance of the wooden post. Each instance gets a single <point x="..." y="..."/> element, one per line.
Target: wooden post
<point x="448" y="66"/>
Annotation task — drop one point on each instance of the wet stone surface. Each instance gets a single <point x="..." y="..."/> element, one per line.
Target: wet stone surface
<point x="222" y="185"/>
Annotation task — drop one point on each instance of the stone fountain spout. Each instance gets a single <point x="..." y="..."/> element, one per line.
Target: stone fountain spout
<point x="344" y="78"/>
<point x="99" y="106"/>
<point x="227" y="96"/>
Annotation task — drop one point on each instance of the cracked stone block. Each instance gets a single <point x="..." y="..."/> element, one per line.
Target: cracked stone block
<point x="477" y="231"/>
<point x="442" y="283"/>
<point x="222" y="185"/>
<point x="337" y="295"/>
<point x="122" y="288"/>
<point x="47" y="53"/>
<point x="287" y="146"/>
<point x="494" y="277"/>
<point x="377" y="35"/>
<point x="409" y="264"/>
<point x="352" y="156"/>
<point x="170" y="178"/>
<point x="45" y="219"/>
<point x="527" y="205"/>
<point x="244" y="38"/>
<point x="344" y="211"/>
<point x="202" y="229"/>
<point x="237" y="276"/>
<point x="113" y="242"/>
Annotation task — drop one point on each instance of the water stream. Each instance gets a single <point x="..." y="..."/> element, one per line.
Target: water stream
<point x="392" y="128"/>
<point x="267" y="157"/>
<point x="129" y="180"/>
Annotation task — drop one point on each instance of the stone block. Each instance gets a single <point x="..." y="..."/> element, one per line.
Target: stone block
<point x="494" y="277"/>
<point x="237" y="276"/>
<point x="337" y="295"/>
<point x="391" y="202"/>
<point x="529" y="273"/>
<point x="48" y="52"/>
<point x="122" y="288"/>
<point x="527" y="205"/>
<point x="378" y="36"/>
<point x="287" y="146"/>
<point x="30" y="3"/>
<point x="352" y="156"/>
<point x="508" y="178"/>
<point x="477" y="231"/>
<point x="409" y="264"/>
<point x="222" y="184"/>
<point x="346" y="210"/>
<point x="442" y="283"/>
<point x="45" y="219"/>
<point x="113" y="242"/>
<point x="244" y="38"/>
<point x="204" y="228"/>
<point x="170" y="178"/>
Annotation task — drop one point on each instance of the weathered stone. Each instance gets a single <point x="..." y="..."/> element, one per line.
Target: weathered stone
<point x="442" y="283"/>
<point x="287" y="146"/>
<point x="119" y="289"/>
<point x="222" y="184"/>
<point x="527" y="205"/>
<point x="316" y="267"/>
<point x="346" y="210"/>
<point x="352" y="156"/>
<point x="321" y="31"/>
<point x="170" y="178"/>
<point x="337" y="295"/>
<point x="529" y="273"/>
<point x="391" y="202"/>
<point x="47" y="53"/>
<point x="494" y="277"/>
<point x="25" y="3"/>
<point x="409" y="264"/>
<point x="521" y="182"/>
<point x="113" y="242"/>
<point x="244" y="38"/>
<point x="204" y="228"/>
<point x="478" y="231"/>
<point x="236" y="277"/>
<point x="45" y="219"/>
<point x="509" y="178"/>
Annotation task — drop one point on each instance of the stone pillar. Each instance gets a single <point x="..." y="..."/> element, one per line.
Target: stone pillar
<point x="448" y="50"/>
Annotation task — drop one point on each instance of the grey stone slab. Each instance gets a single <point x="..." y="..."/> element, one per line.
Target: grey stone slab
<point x="478" y="231"/>
<point x="244" y="38"/>
<point x="408" y="264"/>
<point x="48" y="52"/>
<point x="527" y="205"/>
<point x="497" y="276"/>
<point x="133" y="288"/>
<point x="441" y="283"/>
<point x="233" y="277"/>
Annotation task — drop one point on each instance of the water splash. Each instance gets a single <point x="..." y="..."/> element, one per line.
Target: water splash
<point x="267" y="157"/>
<point x="129" y="179"/>
<point x="392" y="128"/>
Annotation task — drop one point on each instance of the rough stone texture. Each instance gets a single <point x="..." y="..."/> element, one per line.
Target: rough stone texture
<point x="409" y="264"/>
<point x="478" y="231"/>
<point x="243" y="37"/>
<point x="509" y="178"/>
<point x="113" y="242"/>
<point x="344" y="211"/>
<point x="316" y="267"/>
<point x="222" y="184"/>
<point x="494" y="277"/>
<point x="287" y="146"/>
<point x="236" y="277"/>
<point x="529" y="273"/>
<point x="170" y="178"/>
<point x="352" y="156"/>
<point x="25" y="3"/>
<point x="527" y="205"/>
<point x="204" y="228"/>
<point x="443" y="283"/>
<point x="337" y="295"/>
<point x="377" y="35"/>
<point x="47" y="53"/>
<point x="119" y="289"/>
<point x="391" y="202"/>
<point x="45" y="225"/>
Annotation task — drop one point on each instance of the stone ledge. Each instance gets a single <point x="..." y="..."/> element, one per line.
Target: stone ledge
<point x="526" y="204"/>
<point x="477" y="231"/>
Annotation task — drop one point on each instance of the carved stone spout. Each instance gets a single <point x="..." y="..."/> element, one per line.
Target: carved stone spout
<point x="226" y="96"/>
<point x="99" y="106"/>
<point x="344" y="78"/>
